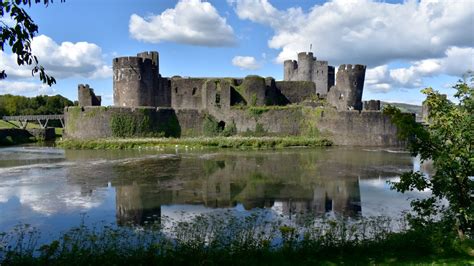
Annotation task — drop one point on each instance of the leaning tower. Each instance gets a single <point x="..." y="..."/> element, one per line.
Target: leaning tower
<point x="347" y="94"/>
<point x="136" y="80"/>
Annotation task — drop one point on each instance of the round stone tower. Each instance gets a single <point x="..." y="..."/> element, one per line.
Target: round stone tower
<point x="305" y="66"/>
<point x="289" y="70"/>
<point x="350" y="85"/>
<point x="136" y="80"/>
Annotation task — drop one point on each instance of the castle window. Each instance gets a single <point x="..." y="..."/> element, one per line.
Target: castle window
<point x="194" y="90"/>
<point x="355" y="83"/>
<point x="176" y="90"/>
<point x="218" y="100"/>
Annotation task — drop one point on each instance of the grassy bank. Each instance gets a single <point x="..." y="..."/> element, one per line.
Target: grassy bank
<point x="250" y="240"/>
<point x="10" y="133"/>
<point x="217" y="142"/>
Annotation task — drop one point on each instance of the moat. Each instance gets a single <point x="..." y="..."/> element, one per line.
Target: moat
<point x="54" y="189"/>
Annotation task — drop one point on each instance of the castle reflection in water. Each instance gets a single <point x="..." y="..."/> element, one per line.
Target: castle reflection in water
<point x="303" y="182"/>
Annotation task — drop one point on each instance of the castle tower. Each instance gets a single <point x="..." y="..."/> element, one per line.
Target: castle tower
<point x="305" y="66"/>
<point x="347" y="93"/>
<point x="289" y="69"/>
<point x="136" y="80"/>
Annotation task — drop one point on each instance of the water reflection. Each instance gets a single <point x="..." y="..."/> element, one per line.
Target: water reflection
<point x="290" y="182"/>
<point x="135" y="187"/>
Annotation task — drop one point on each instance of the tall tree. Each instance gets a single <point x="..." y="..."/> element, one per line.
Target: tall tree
<point x="20" y="35"/>
<point x="448" y="141"/>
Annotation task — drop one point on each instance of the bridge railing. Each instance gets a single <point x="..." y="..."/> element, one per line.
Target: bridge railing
<point x="41" y="119"/>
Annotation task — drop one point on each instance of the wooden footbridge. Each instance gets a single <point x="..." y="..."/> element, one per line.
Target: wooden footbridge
<point x="41" y="119"/>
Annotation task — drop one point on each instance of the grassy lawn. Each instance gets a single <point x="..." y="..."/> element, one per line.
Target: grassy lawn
<point x="16" y="124"/>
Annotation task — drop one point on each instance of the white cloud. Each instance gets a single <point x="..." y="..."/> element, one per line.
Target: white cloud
<point x="190" y="22"/>
<point x="365" y="31"/>
<point x="246" y="62"/>
<point x="81" y="59"/>
<point x="25" y="88"/>
<point x="456" y="62"/>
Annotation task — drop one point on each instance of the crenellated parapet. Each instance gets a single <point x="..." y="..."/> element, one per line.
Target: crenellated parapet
<point x="347" y="93"/>
<point x="308" y="68"/>
<point x="136" y="80"/>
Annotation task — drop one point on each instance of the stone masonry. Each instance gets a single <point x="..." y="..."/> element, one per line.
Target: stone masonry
<point x="87" y="97"/>
<point x="309" y="101"/>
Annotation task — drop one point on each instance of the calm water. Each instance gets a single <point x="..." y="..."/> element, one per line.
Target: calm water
<point x="54" y="189"/>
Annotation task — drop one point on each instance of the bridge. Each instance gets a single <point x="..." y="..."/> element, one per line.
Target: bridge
<point x="41" y="119"/>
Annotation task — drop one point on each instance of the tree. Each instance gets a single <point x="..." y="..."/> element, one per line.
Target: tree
<point x="39" y="105"/>
<point x="448" y="141"/>
<point x="19" y="36"/>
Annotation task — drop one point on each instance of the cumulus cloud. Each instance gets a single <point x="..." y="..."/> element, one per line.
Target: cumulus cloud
<point x="365" y="31"/>
<point x="246" y="62"/>
<point x="455" y="62"/>
<point x="25" y="88"/>
<point x="81" y="59"/>
<point x="190" y="22"/>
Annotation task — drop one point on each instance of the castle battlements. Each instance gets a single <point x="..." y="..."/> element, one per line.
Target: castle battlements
<point x="349" y="67"/>
<point x="132" y="61"/>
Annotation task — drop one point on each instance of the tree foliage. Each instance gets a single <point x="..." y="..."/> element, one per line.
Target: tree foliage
<point x="20" y="35"/>
<point x="39" y="105"/>
<point x="448" y="141"/>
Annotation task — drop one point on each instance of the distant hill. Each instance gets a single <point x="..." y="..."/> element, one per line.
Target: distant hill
<point x="404" y="107"/>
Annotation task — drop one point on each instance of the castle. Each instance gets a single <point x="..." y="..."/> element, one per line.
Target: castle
<point x="311" y="99"/>
<point x="137" y="82"/>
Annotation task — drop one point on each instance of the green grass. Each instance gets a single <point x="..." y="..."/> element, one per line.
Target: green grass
<point x="236" y="240"/>
<point x="16" y="124"/>
<point x="217" y="142"/>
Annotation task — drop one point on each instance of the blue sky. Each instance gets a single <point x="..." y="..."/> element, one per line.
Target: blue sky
<point x="406" y="45"/>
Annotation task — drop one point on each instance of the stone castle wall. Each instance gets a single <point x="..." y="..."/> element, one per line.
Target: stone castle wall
<point x="87" y="97"/>
<point x="94" y="122"/>
<point x="148" y="105"/>
<point x="366" y="128"/>
<point x="296" y="91"/>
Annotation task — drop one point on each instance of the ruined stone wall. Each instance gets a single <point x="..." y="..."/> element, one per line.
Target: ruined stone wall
<point x="217" y="94"/>
<point x="87" y="97"/>
<point x="190" y="122"/>
<point x="163" y="95"/>
<point x="366" y="128"/>
<point x="104" y="122"/>
<point x="296" y="91"/>
<point x="372" y="105"/>
<point x="253" y="89"/>
<point x="347" y="93"/>
<point x="187" y="93"/>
